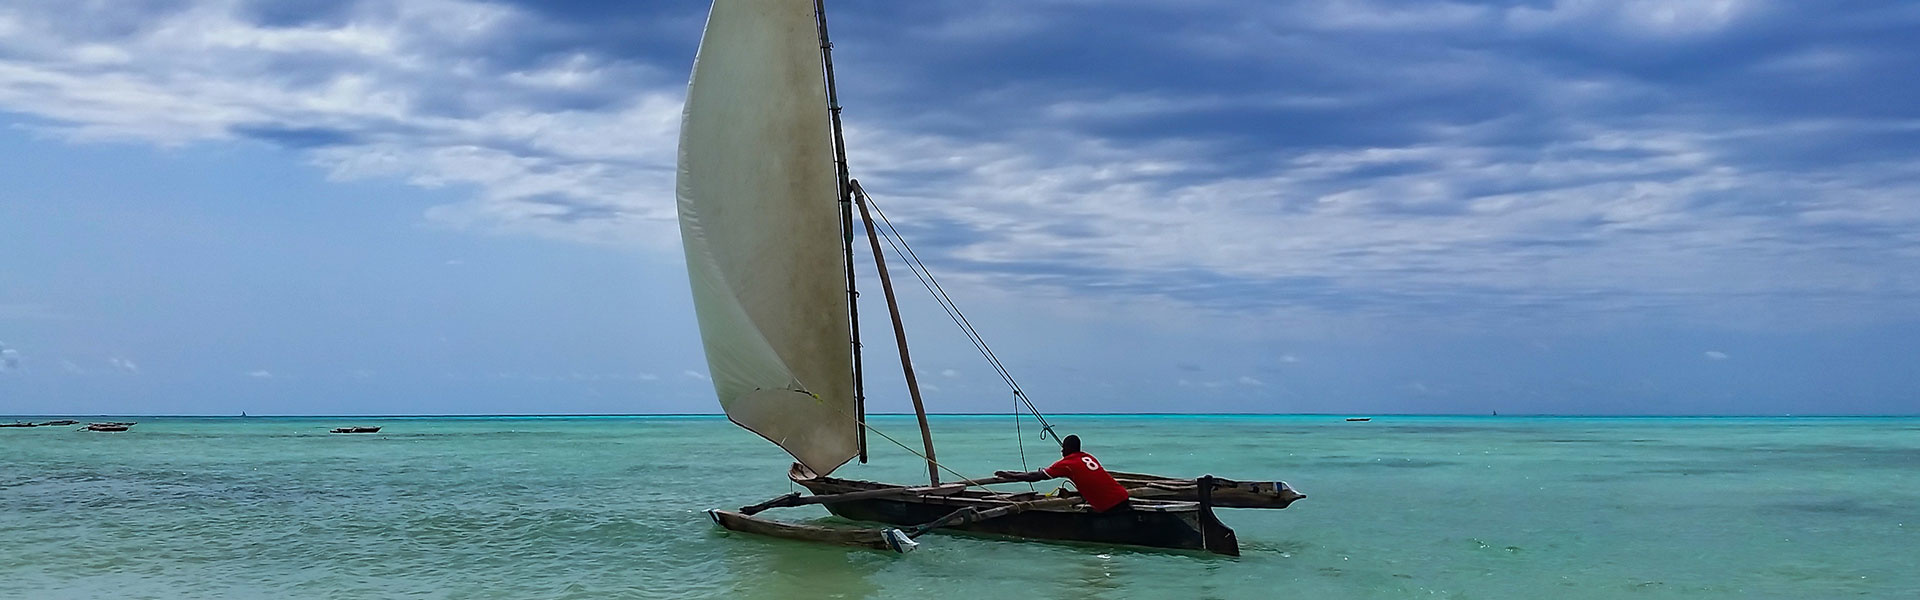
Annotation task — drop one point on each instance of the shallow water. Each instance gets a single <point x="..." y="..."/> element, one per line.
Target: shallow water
<point x="611" y="508"/>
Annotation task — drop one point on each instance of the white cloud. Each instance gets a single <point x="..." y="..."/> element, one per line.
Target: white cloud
<point x="123" y="365"/>
<point x="1248" y="380"/>
<point x="1715" y="355"/>
<point x="950" y="373"/>
<point x="1443" y="212"/>
<point x="649" y="377"/>
<point x="9" y="359"/>
<point x="696" y="375"/>
<point x="1652" y="18"/>
<point x="399" y="90"/>
<point x="1372" y="15"/>
<point x="260" y="374"/>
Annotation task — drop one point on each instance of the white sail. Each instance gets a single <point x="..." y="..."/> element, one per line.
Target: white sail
<point x="759" y="217"/>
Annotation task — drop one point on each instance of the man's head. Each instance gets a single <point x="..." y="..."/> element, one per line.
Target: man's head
<point x="1069" y="445"/>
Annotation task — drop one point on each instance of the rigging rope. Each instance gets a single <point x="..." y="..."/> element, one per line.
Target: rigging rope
<point x="1021" y="438"/>
<point x="970" y="481"/>
<point x="905" y="251"/>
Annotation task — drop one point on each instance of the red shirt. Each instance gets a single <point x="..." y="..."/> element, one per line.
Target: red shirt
<point x="1099" y="488"/>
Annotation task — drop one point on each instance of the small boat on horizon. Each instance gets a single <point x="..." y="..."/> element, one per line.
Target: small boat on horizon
<point x="19" y="424"/>
<point x="355" y="430"/>
<point x="107" y="427"/>
<point x="59" y="422"/>
<point x="1358" y="419"/>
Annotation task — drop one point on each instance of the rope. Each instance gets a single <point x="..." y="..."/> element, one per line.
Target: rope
<point x="1021" y="438"/>
<point x="863" y="423"/>
<point x="920" y="271"/>
<point x="970" y="481"/>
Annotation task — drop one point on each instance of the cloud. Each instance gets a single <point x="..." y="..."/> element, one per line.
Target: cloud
<point x="123" y="365"/>
<point x="1248" y="380"/>
<point x="9" y="359"/>
<point x="435" y="92"/>
<point x="260" y="374"/>
<point x="949" y="373"/>
<point x="1426" y="163"/>
<point x="696" y="375"/>
<point x="649" y="377"/>
<point x="1289" y="359"/>
<point x="1715" y="355"/>
<point x="1447" y="177"/>
<point x="1217" y="383"/>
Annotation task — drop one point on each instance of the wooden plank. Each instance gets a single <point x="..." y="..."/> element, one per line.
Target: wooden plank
<point x="876" y="539"/>
<point x="798" y="500"/>
<point x="1226" y="493"/>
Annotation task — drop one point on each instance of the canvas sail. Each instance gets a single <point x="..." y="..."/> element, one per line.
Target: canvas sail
<point x="758" y="200"/>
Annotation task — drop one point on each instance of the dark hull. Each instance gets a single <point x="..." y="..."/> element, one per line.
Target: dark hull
<point x="1153" y="524"/>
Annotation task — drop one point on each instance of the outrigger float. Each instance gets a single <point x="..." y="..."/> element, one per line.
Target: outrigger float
<point x="768" y="231"/>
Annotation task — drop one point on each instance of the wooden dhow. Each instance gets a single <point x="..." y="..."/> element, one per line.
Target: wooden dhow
<point x="768" y="228"/>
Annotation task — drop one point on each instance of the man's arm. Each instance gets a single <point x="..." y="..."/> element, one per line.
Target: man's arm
<point x="1040" y="475"/>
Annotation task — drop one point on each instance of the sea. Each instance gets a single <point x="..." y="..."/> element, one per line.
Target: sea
<point x="613" y="507"/>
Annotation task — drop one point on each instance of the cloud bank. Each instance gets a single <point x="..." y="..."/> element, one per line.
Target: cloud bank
<point x="1726" y="162"/>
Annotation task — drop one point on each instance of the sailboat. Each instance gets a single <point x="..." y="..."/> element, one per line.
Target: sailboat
<point x="766" y="206"/>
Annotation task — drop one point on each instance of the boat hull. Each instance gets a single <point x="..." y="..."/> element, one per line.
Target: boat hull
<point x="1152" y="524"/>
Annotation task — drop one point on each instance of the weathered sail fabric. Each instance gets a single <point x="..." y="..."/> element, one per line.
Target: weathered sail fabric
<point x="759" y="219"/>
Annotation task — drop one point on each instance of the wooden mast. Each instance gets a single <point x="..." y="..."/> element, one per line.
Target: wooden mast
<point x="846" y="225"/>
<point x="899" y="333"/>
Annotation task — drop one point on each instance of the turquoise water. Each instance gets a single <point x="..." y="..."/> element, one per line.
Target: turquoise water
<point x="1399" y="507"/>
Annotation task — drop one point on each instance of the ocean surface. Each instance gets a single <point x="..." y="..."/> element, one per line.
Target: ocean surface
<point x="611" y="507"/>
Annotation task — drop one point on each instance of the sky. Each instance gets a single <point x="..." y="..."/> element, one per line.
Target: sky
<point x="1333" y="206"/>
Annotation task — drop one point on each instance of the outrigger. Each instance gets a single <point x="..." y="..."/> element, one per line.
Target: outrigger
<point x="768" y="231"/>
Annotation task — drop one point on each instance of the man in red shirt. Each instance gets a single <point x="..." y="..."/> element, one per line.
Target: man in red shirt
<point x="1101" y="491"/>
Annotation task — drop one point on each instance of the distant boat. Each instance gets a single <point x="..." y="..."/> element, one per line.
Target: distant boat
<point x="355" y="430"/>
<point x="108" y="427"/>
<point x="19" y="424"/>
<point x="60" y="422"/>
<point x="1360" y="418"/>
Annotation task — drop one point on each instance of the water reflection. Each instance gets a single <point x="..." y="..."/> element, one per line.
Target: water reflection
<point x="776" y="569"/>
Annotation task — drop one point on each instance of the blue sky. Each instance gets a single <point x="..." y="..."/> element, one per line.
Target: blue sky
<point x="446" y="206"/>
